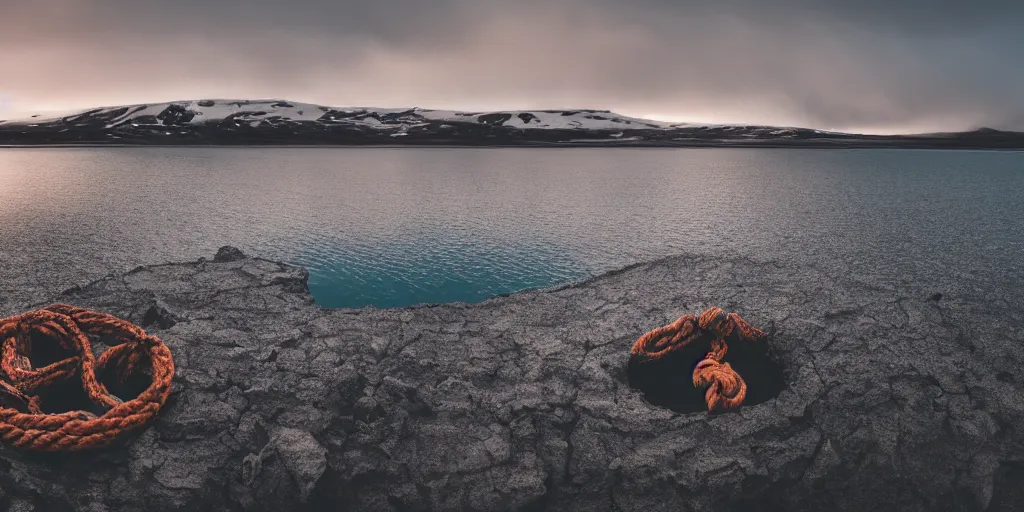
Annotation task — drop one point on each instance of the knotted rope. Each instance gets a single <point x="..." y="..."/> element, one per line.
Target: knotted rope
<point x="67" y="329"/>
<point x="725" y="388"/>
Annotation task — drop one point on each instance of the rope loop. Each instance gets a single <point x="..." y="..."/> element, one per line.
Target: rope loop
<point x="66" y="333"/>
<point x="725" y="388"/>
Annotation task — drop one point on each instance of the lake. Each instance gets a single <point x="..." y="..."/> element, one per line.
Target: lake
<point x="398" y="226"/>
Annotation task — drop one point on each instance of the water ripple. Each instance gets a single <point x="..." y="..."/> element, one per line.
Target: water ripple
<point x="391" y="227"/>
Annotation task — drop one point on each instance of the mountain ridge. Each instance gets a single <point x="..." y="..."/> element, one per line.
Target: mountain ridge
<point x="283" y="122"/>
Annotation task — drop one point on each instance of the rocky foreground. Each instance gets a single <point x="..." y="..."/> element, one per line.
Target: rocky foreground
<point x="894" y="400"/>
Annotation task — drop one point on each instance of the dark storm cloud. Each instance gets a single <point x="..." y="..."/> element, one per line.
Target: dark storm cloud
<point x="871" y="65"/>
<point x="906" y="17"/>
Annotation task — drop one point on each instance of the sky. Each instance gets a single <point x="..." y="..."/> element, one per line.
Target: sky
<point x="872" y="66"/>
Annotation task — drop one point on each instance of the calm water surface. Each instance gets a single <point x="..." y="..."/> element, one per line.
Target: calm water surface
<point x="392" y="227"/>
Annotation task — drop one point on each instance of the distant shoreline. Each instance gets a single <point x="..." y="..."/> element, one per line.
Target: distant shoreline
<point x="594" y="145"/>
<point x="280" y="123"/>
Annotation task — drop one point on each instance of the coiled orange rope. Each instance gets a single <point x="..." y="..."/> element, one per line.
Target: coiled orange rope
<point x="66" y="331"/>
<point x="725" y="388"/>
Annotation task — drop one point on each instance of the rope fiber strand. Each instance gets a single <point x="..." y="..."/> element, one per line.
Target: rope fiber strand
<point x="69" y="331"/>
<point x="725" y="388"/>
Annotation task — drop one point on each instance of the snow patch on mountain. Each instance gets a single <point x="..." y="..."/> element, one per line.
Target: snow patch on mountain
<point x="548" y="119"/>
<point x="250" y="111"/>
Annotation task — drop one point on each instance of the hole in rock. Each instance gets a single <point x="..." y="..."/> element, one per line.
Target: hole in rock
<point x="668" y="382"/>
<point x="46" y="350"/>
<point x="137" y="382"/>
<point x="69" y="395"/>
<point x="64" y="397"/>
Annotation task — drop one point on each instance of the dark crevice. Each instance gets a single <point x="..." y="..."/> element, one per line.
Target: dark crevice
<point x="1007" y="492"/>
<point x="46" y="350"/>
<point x="126" y="387"/>
<point x="65" y="397"/>
<point x="546" y="500"/>
<point x="325" y="496"/>
<point x="158" y="316"/>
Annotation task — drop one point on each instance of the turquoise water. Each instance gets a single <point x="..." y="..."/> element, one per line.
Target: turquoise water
<point x="430" y="269"/>
<point x="394" y="227"/>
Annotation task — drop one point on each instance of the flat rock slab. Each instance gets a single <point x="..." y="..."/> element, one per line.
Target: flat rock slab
<point x="895" y="399"/>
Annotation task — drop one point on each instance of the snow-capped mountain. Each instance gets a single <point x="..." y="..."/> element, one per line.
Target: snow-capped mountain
<point x="285" y="122"/>
<point x="276" y="112"/>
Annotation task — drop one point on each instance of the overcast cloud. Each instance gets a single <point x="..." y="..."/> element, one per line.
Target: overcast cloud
<point x="866" y="65"/>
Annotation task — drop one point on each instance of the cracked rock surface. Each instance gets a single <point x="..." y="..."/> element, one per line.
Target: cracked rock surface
<point x="895" y="399"/>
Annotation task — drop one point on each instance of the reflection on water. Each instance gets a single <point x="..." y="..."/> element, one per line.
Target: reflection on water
<point x="400" y="226"/>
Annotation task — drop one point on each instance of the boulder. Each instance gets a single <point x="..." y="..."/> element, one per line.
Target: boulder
<point x="229" y="253"/>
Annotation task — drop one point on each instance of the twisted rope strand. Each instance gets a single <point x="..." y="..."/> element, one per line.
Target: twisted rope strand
<point x="725" y="388"/>
<point x="24" y="425"/>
